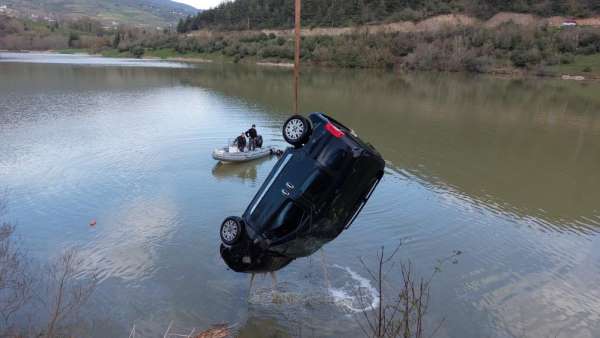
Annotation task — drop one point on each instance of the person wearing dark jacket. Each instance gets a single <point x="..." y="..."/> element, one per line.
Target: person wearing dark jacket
<point x="251" y="133"/>
<point x="240" y="142"/>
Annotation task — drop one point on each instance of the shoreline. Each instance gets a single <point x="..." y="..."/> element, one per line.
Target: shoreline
<point x="513" y="73"/>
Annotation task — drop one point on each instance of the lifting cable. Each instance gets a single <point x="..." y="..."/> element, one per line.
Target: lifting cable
<point x="297" y="56"/>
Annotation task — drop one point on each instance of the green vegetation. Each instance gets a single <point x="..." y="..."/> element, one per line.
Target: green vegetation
<point x="72" y="51"/>
<point x="254" y="14"/>
<point x="580" y="64"/>
<point x="79" y="34"/>
<point x="507" y="48"/>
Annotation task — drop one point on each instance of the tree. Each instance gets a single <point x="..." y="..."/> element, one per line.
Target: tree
<point x="72" y="38"/>
<point x="117" y="39"/>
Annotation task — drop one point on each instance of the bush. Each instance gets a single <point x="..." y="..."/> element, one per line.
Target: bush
<point x="137" y="51"/>
<point x="477" y="64"/>
<point x="587" y="69"/>
<point x="277" y="52"/>
<point x="348" y="56"/>
<point x="256" y="37"/>
<point x="231" y="50"/>
<point x="567" y="41"/>
<point x="407" y="14"/>
<point x="403" y="44"/>
<point x="525" y="58"/>
<point x="567" y="59"/>
<point x="552" y="60"/>
<point x="73" y="40"/>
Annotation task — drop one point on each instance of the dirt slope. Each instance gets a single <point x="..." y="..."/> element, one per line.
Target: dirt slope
<point x="431" y="24"/>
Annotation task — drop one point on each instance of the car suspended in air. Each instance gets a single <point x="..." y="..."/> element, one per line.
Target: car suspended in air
<point x="313" y="193"/>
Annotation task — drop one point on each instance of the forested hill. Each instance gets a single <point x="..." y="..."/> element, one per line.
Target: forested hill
<point x="253" y="14"/>
<point x="133" y="12"/>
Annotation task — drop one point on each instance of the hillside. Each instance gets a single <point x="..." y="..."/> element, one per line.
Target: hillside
<point x="257" y="14"/>
<point x="109" y="12"/>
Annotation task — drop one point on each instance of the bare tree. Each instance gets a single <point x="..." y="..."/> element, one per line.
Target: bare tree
<point x="403" y="313"/>
<point x="15" y="282"/>
<point x="66" y="291"/>
<point x="63" y="290"/>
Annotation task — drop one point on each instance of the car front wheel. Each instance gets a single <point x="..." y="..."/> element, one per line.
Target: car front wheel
<point x="296" y="130"/>
<point x="231" y="230"/>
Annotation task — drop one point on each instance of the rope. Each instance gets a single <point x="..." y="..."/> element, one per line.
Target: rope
<point x="298" y="7"/>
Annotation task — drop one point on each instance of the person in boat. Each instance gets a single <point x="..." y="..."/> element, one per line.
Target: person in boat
<point x="240" y="142"/>
<point x="251" y="133"/>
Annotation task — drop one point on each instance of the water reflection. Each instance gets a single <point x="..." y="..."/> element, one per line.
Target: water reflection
<point x="507" y="171"/>
<point x="127" y="242"/>
<point x="522" y="147"/>
<point x="242" y="171"/>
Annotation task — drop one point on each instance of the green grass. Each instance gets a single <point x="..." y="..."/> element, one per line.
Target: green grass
<point x="113" y="53"/>
<point x="582" y="65"/>
<point x="73" y="51"/>
<point x="169" y="53"/>
<point x="163" y="53"/>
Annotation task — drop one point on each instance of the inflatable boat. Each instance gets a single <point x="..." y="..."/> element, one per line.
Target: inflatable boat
<point x="232" y="154"/>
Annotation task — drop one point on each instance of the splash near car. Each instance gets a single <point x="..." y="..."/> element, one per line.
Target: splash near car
<point x="314" y="192"/>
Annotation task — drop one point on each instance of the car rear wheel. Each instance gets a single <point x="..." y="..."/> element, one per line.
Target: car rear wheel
<point x="297" y="130"/>
<point x="231" y="230"/>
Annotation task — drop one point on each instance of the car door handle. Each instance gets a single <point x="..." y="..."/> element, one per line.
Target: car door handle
<point x="289" y="185"/>
<point x="285" y="192"/>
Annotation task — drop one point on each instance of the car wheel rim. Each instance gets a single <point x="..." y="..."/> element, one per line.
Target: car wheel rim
<point x="230" y="230"/>
<point x="294" y="129"/>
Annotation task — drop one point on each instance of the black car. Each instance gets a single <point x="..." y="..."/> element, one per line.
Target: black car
<point x="314" y="192"/>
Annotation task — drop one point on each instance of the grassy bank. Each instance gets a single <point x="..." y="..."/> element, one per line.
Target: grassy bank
<point x="507" y="49"/>
<point x="585" y="65"/>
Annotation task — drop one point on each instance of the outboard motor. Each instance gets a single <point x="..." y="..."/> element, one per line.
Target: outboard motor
<point x="259" y="141"/>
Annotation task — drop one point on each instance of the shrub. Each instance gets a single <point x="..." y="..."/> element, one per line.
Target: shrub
<point x="552" y="60"/>
<point x="403" y="44"/>
<point x="256" y="37"/>
<point x="477" y="64"/>
<point x="567" y="41"/>
<point x="566" y="59"/>
<point x="73" y="40"/>
<point x="231" y="50"/>
<point x="587" y="69"/>
<point x="524" y="58"/>
<point x="407" y="14"/>
<point x="508" y="37"/>
<point x="137" y="51"/>
<point x="276" y="52"/>
<point x="348" y="56"/>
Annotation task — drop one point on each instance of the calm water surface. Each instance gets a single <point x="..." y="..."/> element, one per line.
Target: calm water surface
<point x="507" y="171"/>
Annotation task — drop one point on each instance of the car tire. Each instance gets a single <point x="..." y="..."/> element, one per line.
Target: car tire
<point x="232" y="230"/>
<point x="296" y="130"/>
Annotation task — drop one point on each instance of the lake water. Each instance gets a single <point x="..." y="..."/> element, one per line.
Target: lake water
<point x="506" y="171"/>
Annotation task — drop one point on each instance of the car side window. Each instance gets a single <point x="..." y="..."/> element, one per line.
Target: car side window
<point x="290" y="218"/>
<point x="333" y="159"/>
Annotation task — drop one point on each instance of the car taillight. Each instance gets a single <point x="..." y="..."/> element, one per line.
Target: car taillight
<point x="333" y="130"/>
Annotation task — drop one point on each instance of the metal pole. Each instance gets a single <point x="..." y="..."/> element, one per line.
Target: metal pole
<point x="297" y="57"/>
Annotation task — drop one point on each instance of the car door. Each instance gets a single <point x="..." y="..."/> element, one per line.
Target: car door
<point x="281" y="186"/>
